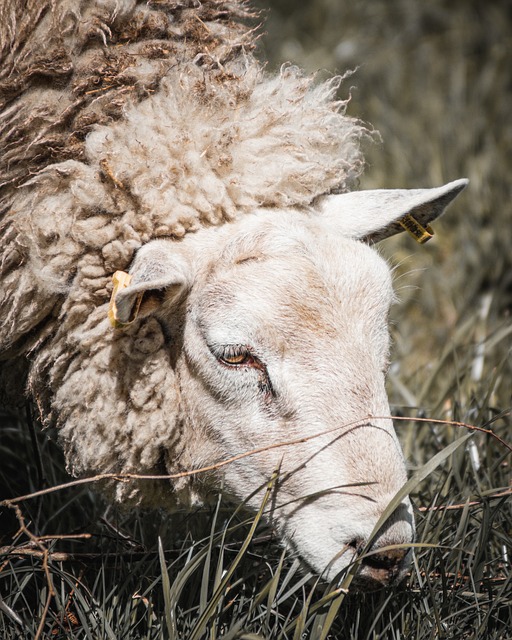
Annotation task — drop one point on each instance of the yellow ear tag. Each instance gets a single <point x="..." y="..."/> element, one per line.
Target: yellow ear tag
<point x="121" y="280"/>
<point x="419" y="233"/>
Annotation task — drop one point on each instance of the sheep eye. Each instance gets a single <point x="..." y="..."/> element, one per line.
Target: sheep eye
<point x="239" y="356"/>
<point x="237" y="359"/>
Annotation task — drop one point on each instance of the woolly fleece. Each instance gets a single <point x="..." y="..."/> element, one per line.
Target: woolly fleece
<point x="123" y="122"/>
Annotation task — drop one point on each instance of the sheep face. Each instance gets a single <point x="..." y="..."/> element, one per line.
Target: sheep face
<point x="285" y="337"/>
<point x="278" y="328"/>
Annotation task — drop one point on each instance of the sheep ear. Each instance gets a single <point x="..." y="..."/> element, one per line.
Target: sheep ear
<point x="160" y="273"/>
<point x="372" y="216"/>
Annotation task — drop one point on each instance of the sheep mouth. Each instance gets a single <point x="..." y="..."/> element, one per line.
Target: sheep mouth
<point x="378" y="572"/>
<point x="366" y="580"/>
<point x="367" y="584"/>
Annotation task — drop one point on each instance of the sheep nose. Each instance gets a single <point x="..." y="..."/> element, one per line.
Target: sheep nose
<point x="381" y="568"/>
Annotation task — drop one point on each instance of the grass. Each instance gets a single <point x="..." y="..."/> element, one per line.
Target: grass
<point x="435" y="80"/>
<point x="134" y="574"/>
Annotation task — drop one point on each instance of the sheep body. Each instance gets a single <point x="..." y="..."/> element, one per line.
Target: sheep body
<point x="146" y="136"/>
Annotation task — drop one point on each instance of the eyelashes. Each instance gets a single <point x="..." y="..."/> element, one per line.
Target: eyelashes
<point x="236" y="356"/>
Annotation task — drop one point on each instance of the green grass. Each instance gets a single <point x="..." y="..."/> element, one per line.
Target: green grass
<point x="435" y="81"/>
<point x="154" y="575"/>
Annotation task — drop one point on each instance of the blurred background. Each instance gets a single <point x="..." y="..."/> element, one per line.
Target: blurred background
<point x="435" y="80"/>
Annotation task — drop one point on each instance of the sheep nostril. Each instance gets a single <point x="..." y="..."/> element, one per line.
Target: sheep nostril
<point x="387" y="560"/>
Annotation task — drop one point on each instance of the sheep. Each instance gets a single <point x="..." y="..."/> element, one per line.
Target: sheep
<point x="145" y="137"/>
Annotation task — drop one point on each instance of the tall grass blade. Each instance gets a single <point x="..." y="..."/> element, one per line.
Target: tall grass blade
<point x="206" y="568"/>
<point x="166" y="589"/>
<point x="207" y="614"/>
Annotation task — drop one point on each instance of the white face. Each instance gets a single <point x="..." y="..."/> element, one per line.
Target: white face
<point x="286" y="336"/>
<point x="277" y="331"/>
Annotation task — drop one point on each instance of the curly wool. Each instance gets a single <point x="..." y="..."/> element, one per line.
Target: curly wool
<point x="198" y="135"/>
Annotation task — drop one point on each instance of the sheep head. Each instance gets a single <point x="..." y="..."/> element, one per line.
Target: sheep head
<point x="277" y="325"/>
<point x="258" y="304"/>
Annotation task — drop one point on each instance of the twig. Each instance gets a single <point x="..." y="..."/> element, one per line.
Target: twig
<point x="124" y="477"/>
<point x="58" y="556"/>
<point x="44" y="554"/>
<point x="27" y="549"/>
<point x="473" y="503"/>
<point x="452" y="423"/>
<point x="72" y="536"/>
<point x="41" y="624"/>
<point x="182" y="474"/>
<point x="35" y="547"/>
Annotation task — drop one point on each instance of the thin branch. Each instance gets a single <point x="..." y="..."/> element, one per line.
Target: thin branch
<point x="44" y="555"/>
<point x="473" y="503"/>
<point x="124" y="477"/>
<point x="452" y="423"/>
<point x="43" y="617"/>
<point x="57" y="556"/>
<point x="28" y="549"/>
<point x="36" y="542"/>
